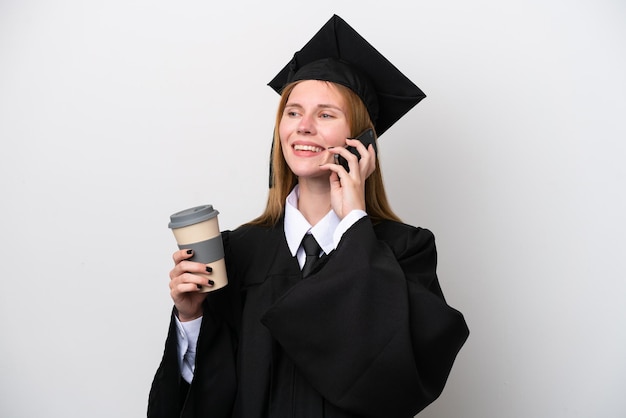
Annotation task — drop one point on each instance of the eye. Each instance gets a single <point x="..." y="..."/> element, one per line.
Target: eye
<point x="326" y="116"/>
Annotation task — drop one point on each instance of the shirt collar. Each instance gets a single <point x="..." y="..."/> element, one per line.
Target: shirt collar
<point x="296" y="226"/>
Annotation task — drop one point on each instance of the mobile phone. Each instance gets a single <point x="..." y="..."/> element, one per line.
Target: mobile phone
<point x="367" y="138"/>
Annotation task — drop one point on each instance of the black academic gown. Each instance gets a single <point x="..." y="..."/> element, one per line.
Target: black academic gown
<point x="368" y="334"/>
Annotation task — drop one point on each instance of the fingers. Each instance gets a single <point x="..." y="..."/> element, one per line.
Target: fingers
<point x="187" y="275"/>
<point x="187" y="282"/>
<point x="364" y="166"/>
<point x="187" y="279"/>
<point x="181" y="255"/>
<point x="367" y="163"/>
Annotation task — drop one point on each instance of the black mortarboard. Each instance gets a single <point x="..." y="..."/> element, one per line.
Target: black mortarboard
<point x="337" y="53"/>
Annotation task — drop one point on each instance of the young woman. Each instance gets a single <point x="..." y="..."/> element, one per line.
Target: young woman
<point x="366" y="332"/>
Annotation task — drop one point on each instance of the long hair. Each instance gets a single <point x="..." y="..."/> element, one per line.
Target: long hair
<point x="283" y="179"/>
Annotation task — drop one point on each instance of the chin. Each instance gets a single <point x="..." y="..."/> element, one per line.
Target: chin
<point x="318" y="174"/>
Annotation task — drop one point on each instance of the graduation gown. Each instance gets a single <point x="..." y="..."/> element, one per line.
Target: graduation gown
<point x="368" y="334"/>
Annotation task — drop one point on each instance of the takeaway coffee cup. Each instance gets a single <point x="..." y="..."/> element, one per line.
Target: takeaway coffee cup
<point x="197" y="229"/>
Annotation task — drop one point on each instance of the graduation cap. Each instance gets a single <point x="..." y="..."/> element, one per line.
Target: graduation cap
<point x="337" y="53"/>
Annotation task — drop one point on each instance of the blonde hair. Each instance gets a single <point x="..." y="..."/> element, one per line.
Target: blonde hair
<point x="284" y="180"/>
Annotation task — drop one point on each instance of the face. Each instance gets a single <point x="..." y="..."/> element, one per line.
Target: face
<point x="314" y="119"/>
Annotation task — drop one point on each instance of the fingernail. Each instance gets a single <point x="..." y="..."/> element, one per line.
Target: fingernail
<point x="330" y="147"/>
<point x="209" y="269"/>
<point x="189" y="251"/>
<point x="198" y="286"/>
<point x="211" y="282"/>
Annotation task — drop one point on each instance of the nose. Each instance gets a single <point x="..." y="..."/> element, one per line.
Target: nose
<point x="306" y="125"/>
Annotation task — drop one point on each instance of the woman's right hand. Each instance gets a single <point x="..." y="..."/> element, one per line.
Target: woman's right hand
<point x="185" y="280"/>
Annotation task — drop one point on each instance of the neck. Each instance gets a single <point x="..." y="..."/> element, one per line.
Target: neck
<point x="314" y="200"/>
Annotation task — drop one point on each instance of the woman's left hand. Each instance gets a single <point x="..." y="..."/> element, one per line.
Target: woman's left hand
<point x="347" y="189"/>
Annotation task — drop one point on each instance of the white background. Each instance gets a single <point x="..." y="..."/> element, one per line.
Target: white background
<point x="115" y="114"/>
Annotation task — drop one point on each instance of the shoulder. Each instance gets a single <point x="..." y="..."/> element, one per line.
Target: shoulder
<point x="393" y="229"/>
<point x="251" y="234"/>
<point x="251" y="247"/>
<point x="404" y="238"/>
<point x="243" y="231"/>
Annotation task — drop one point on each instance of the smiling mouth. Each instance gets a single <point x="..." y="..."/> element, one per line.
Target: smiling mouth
<point x="307" y="148"/>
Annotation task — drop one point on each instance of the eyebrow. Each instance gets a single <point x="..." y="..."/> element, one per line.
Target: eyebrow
<point x="319" y="106"/>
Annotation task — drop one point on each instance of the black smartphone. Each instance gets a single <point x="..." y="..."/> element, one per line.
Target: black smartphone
<point x="367" y="138"/>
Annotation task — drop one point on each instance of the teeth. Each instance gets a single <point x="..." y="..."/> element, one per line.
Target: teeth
<point x="307" y="148"/>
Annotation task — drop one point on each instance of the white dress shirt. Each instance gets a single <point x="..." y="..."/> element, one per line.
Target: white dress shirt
<point x="327" y="232"/>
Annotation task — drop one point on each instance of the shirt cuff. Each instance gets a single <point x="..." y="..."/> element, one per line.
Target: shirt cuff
<point x="345" y="224"/>
<point x="187" y="339"/>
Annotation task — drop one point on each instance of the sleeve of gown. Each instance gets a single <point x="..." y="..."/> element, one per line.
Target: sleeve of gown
<point x="212" y="390"/>
<point x="371" y="330"/>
